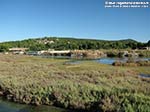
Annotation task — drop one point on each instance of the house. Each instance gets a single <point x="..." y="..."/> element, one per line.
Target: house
<point x="18" y="50"/>
<point x="144" y="48"/>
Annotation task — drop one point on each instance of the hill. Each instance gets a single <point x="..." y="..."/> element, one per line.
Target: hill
<point x="70" y="43"/>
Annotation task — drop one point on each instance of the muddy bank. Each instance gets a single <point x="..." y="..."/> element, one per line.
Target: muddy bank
<point x="132" y="63"/>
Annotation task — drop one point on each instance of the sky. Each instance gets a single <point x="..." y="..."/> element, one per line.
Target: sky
<point x="23" y="19"/>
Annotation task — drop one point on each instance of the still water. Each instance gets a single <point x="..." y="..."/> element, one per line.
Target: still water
<point x="112" y="60"/>
<point x="105" y="60"/>
<point x="145" y="76"/>
<point x="6" y="106"/>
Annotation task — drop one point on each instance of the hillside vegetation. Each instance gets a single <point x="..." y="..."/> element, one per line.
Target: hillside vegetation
<point x="71" y="44"/>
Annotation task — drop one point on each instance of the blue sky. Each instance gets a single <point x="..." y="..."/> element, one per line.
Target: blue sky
<point x="22" y="19"/>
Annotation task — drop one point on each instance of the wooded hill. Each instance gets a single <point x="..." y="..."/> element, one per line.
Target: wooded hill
<point x="71" y="44"/>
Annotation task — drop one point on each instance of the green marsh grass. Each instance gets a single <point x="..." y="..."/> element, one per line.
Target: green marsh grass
<point x="88" y="85"/>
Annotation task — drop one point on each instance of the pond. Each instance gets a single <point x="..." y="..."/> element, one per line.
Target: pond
<point x="112" y="60"/>
<point x="104" y="60"/>
<point x="144" y="75"/>
<point x="7" y="106"/>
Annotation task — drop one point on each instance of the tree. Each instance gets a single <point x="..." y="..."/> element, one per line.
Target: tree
<point x="148" y="43"/>
<point x="3" y="48"/>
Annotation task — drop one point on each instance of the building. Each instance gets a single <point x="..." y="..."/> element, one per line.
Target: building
<point x="18" y="50"/>
<point x="145" y="48"/>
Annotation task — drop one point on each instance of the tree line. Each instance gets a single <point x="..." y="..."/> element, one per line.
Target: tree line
<point x="71" y="44"/>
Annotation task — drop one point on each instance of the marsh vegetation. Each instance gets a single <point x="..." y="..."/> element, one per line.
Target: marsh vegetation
<point x="89" y="85"/>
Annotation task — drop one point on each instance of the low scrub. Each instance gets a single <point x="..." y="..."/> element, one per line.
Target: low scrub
<point x="88" y="85"/>
<point x="131" y="63"/>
